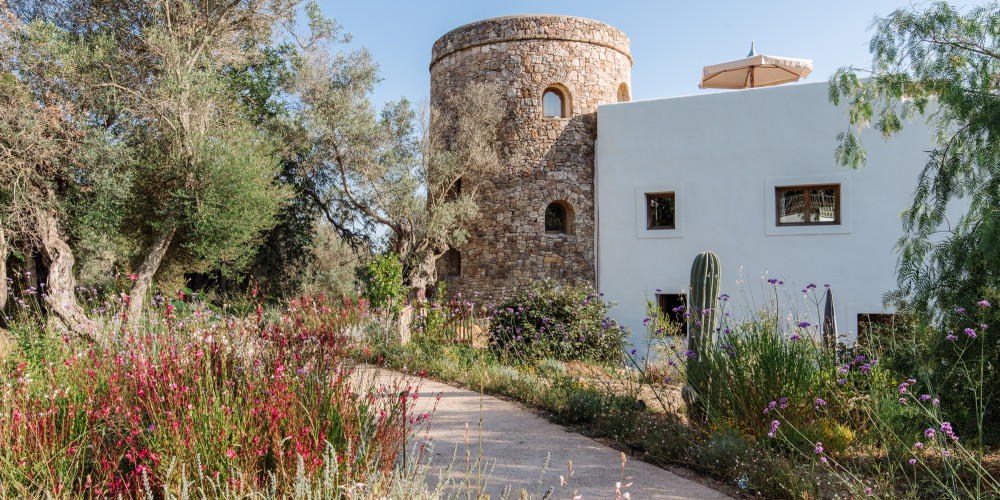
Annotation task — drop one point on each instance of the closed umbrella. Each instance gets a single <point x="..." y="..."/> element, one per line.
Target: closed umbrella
<point x="829" y="322"/>
<point x="754" y="71"/>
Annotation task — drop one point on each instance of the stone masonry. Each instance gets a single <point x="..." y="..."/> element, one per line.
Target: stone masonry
<point x="590" y="62"/>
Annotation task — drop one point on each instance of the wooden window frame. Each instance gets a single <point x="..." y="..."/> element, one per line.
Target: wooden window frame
<point x="565" y="102"/>
<point x="806" y="189"/>
<point x="649" y="207"/>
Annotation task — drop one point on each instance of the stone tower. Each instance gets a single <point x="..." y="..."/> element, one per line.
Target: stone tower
<point x="555" y="70"/>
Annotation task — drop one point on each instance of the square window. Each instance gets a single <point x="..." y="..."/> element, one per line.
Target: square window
<point x="672" y="305"/>
<point x="660" y="211"/>
<point x="812" y="205"/>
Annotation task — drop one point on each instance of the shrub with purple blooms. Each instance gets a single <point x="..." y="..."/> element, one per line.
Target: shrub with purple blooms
<point x="965" y="348"/>
<point x="558" y="322"/>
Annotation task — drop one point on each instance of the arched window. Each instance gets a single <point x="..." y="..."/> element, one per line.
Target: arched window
<point x="623" y="94"/>
<point x="555" y="102"/>
<point x="558" y="218"/>
<point x="450" y="265"/>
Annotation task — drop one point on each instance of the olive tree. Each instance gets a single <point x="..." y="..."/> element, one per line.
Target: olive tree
<point x="415" y="175"/>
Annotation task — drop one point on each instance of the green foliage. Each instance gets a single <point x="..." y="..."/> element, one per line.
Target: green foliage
<point x="761" y="362"/>
<point x="938" y="63"/>
<point x="381" y="281"/>
<point x="559" y="322"/>
<point x="964" y="373"/>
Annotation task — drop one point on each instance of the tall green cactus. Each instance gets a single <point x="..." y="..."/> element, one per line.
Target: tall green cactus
<point x="704" y="300"/>
<point x="702" y="309"/>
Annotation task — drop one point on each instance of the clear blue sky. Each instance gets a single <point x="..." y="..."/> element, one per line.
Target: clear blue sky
<point x="671" y="40"/>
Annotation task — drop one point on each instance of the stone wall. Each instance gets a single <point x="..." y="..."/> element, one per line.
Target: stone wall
<point x="526" y="55"/>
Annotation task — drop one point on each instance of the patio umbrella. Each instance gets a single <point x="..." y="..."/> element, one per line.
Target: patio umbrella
<point x="829" y="322"/>
<point x="754" y="71"/>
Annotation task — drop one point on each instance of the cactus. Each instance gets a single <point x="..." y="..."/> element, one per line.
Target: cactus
<point x="702" y="308"/>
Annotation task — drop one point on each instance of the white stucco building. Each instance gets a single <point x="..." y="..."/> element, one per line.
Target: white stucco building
<point x="741" y="170"/>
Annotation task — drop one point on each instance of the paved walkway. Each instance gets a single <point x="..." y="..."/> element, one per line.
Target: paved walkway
<point x="518" y="441"/>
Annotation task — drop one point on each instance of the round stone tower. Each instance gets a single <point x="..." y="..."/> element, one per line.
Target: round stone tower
<point x="555" y="71"/>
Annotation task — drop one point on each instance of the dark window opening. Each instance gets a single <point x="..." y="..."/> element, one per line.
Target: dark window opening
<point x="673" y="306"/>
<point x="450" y="265"/>
<point x="454" y="191"/>
<point x="555" y="218"/>
<point x="877" y="327"/>
<point x="660" y="211"/>
<point x="807" y="205"/>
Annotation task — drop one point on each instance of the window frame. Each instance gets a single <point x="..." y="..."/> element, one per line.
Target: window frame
<point x="649" y="210"/>
<point x="565" y="101"/>
<point x="807" y="199"/>
<point x="567" y="218"/>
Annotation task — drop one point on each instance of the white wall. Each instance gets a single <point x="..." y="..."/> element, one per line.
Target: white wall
<point x="722" y="154"/>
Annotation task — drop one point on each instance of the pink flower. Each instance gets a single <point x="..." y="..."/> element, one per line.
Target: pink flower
<point x="231" y="454"/>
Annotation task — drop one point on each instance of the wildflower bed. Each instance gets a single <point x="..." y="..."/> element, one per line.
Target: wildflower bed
<point x="198" y="404"/>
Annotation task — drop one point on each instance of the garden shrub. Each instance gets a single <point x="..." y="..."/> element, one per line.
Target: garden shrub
<point x="956" y="361"/>
<point x="381" y="281"/>
<point x="559" y="322"/>
<point x="759" y="362"/>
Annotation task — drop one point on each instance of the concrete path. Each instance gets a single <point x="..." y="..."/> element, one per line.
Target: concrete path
<point x="515" y="443"/>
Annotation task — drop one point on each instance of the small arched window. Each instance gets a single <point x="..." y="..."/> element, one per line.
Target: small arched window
<point x="623" y="94"/>
<point x="450" y="265"/>
<point x="555" y="102"/>
<point x="558" y="218"/>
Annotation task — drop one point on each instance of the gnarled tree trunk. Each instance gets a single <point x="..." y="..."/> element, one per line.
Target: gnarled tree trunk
<point x="60" y="285"/>
<point x="144" y="277"/>
<point x="424" y="275"/>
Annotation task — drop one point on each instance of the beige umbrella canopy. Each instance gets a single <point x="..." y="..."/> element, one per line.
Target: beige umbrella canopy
<point x="754" y="71"/>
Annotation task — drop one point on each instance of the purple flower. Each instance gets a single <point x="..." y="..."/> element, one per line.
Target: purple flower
<point x="913" y="461"/>
<point x="951" y="337"/>
<point x="929" y="433"/>
<point x="820" y="402"/>
<point x="804" y="324"/>
<point x="818" y="448"/>
<point x="925" y="397"/>
<point x="774" y="425"/>
<point x="970" y="332"/>
<point x="983" y="303"/>
<point x="960" y="310"/>
<point x="918" y="444"/>
<point x="935" y="401"/>
<point x="691" y="354"/>
<point x="796" y="337"/>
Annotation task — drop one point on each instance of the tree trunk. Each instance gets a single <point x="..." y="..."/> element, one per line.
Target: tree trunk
<point x="60" y="285"/>
<point x="144" y="278"/>
<point x="424" y="275"/>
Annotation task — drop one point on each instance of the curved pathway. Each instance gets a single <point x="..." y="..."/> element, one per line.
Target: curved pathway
<point x="515" y="444"/>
